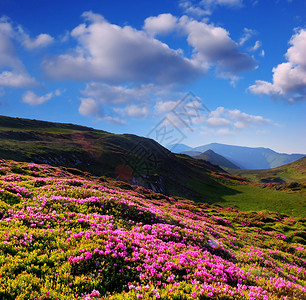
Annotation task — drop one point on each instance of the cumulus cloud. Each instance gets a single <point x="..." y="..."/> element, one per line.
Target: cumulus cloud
<point x="123" y="55"/>
<point x="112" y="53"/>
<point x="162" y="24"/>
<point x="13" y="73"/>
<point x="31" y="98"/>
<point x="91" y="108"/>
<point x="226" y="121"/>
<point x="18" y="33"/>
<point x="133" y="111"/>
<point x="42" y="40"/>
<point x="16" y="79"/>
<point x="8" y="57"/>
<point x="165" y="106"/>
<point x="213" y="46"/>
<point x="217" y="122"/>
<point x="289" y="78"/>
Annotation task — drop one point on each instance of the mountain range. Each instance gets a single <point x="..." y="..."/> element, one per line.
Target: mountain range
<point x="242" y="157"/>
<point x="216" y="159"/>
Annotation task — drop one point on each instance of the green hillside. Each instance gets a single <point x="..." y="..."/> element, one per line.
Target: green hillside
<point x="128" y="157"/>
<point x="293" y="172"/>
<point x="141" y="161"/>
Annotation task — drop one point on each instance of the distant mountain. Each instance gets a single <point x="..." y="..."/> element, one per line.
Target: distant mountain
<point x="191" y="153"/>
<point x="248" y="157"/>
<point x="179" y="148"/>
<point x="251" y="158"/>
<point x="216" y="159"/>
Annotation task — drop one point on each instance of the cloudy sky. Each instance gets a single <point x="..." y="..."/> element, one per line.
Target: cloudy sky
<point x="195" y="72"/>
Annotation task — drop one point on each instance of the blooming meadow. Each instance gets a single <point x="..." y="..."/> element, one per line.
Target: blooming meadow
<point x="67" y="235"/>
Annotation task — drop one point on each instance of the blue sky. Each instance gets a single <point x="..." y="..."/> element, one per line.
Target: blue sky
<point x="126" y="67"/>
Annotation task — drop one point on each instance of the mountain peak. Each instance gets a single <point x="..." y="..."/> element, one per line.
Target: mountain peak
<point x="216" y="159"/>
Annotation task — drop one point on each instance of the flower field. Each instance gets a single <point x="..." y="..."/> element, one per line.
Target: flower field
<point x="67" y="235"/>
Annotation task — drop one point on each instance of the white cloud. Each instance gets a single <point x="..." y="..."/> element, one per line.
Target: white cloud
<point x="247" y="34"/>
<point x="162" y="24"/>
<point x="206" y="7"/>
<point x="256" y="46"/>
<point x="194" y="10"/>
<point x="136" y="99"/>
<point x="8" y="57"/>
<point x="42" y="40"/>
<point x="244" y="120"/>
<point x="124" y="55"/>
<point x="133" y="111"/>
<point x="13" y="73"/>
<point x="165" y="106"/>
<point x="16" y="80"/>
<point x="117" y="94"/>
<point x="213" y="46"/>
<point x="225" y="131"/>
<point x="289" y="78"/>
<point x="31" y="98"/>
<point x="217" y="122"/>
<point x="173" y="120"/>
<point x="263" y="87"/>
<point x="91" y="108"/>
<point x="227" y="121"/>
<point x="119" y="54"/>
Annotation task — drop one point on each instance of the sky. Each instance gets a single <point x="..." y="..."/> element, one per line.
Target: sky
<point x="191" y="72"/>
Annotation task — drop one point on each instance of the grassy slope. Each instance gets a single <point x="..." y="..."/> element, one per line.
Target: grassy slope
<point x="250" y="197"/>
<point x="295" y="171"/>
<point x="100" y="152"/>
<point x="67" y="236"/>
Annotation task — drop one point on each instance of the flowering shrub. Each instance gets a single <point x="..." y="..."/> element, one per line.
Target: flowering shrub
<point x="67" y="236"/>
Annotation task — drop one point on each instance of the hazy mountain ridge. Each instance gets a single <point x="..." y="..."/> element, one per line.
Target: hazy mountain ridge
<point x="216" y="159"/>
<point x="248" y="157"/>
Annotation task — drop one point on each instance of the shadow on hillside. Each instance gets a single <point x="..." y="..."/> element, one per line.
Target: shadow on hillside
<point x="133" y="159"/>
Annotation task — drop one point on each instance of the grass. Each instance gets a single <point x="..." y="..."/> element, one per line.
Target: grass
<point x="295" y="171"/>
<point x="249" y="197"/>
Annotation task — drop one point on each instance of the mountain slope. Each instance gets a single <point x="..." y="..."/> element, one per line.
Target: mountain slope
<point x="293" y="172"/>
<point x="67" y="236"/>
<point x="128" y="157"/>
<point x="216" y="159"/>
<point x="250" y="158"/>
